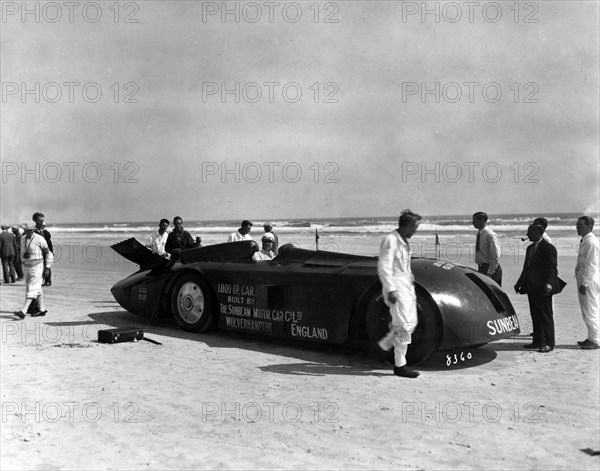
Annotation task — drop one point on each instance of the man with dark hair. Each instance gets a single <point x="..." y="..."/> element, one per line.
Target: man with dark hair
<point x="40" y="228"/>
<point x="8" y="250"/>
<point x="538" y="281"/>
<point x="588" y="280"/>
<point x="157" y="241"/>
<point x="179" y="239"/>
<point x="544" y="223"/>
<point x="243" y="233"/>
<point x="487" y="249"/>
<point x="398" y="290"/>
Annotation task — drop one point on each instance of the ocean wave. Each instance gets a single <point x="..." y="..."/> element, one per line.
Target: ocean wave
<point x="321" y="228"/>
<point x="517" y="223"/>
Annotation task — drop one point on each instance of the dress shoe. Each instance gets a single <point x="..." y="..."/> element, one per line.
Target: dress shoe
<point x="405" y="372"/>
<point x="532" y="346"/>
<point x="19" y="314"/>
<point x="39" y="314"/>
<point x="589" y="345"/>
<point x="581" y="342"/>
<point x="545" y="349"/>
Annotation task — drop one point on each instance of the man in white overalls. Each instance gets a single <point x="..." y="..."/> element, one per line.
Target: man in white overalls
<point x="399" y="295"/>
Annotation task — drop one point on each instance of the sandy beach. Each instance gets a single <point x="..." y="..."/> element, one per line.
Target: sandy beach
<point x="326" y="119"/>
<point x="221" y="401"/>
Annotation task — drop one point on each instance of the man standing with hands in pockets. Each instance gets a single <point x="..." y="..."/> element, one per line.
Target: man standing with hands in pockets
<point x="587" y="276"/>
<point x="487" y="248"/>
<point x="399" y="295"/>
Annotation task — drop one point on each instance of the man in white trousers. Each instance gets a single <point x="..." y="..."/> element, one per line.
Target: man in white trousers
<point x="37" y="260"/>
<point x="399" y="295"/>
<point x="588" y="280"/>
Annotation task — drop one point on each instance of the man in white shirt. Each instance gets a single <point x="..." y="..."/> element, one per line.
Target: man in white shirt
<point x="487" y="249"/>
<point x="398" y="290"/>
<point x="586" y="274"/>
<point x="243" y="233"/>
<point x="266" y="253"/>
<point x="37" y="260"/>
<point x="156" y="242"/>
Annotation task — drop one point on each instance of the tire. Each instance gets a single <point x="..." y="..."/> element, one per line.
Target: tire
<point x="425" y="338"/>
<point x="192" y="303"/>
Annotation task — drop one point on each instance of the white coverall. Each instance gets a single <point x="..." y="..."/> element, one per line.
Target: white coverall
<point x="34" y="254"/>
<point x="586" y="274"/>
<point x="395" y="274"/>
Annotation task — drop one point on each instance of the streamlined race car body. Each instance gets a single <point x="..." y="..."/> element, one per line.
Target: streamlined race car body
<point x="311" y="296"/>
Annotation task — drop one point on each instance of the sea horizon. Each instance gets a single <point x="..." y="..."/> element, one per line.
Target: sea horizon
<point x="509" y="222"/>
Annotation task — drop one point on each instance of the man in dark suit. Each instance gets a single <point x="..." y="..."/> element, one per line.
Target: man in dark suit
<point x="18" y="265"/>
<point x="40" y="228"/>
<point x="539" y="280"/>
<point x="8" y="249"/>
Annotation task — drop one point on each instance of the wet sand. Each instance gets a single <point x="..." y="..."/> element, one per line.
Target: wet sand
<point x="226" y="401"/>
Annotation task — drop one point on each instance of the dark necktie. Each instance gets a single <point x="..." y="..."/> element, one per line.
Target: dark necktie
<point x="477" y="246"/>
<point x="533" y="249"/>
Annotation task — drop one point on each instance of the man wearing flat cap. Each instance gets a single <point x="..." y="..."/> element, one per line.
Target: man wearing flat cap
<point x="37" y="260"/>
<point x="266" y="253"/>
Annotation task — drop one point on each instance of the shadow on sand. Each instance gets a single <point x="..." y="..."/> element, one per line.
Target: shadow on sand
<point x="352" y="358"/>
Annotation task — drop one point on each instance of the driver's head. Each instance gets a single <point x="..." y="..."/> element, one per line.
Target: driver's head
<point x="268" y="241"/>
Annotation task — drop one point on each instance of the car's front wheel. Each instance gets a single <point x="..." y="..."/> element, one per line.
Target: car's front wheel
<point x="424" y="339"/>
<point x="192" y="303"/>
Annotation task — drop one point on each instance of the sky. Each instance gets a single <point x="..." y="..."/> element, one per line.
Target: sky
<point x="134" y="111"/>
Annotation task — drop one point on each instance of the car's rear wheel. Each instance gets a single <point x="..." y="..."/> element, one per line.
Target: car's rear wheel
<point x="424" y="339"/>
<point x="192" y="303"/>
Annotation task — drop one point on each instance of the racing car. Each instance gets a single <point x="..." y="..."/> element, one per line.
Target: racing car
<point x="311" y="296"/>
